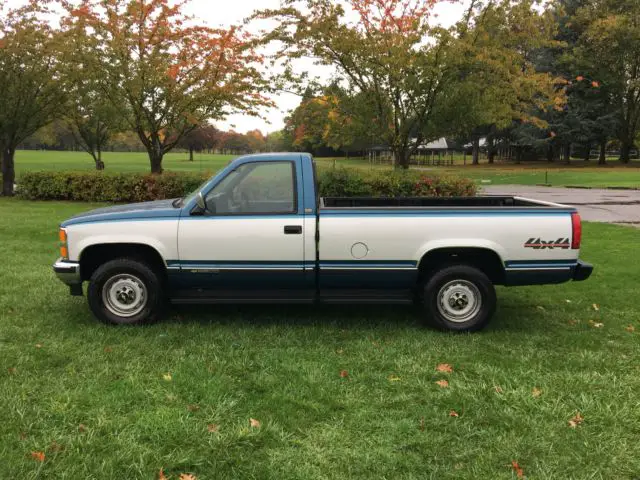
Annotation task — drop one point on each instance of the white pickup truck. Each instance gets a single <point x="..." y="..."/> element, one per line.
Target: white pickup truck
<point x="258" y="232"/>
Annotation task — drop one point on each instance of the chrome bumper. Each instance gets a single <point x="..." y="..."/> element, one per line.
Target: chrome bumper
<point x="69" y="273"/>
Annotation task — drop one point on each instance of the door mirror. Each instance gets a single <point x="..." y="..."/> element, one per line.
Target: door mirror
<point x="201" y="202"/>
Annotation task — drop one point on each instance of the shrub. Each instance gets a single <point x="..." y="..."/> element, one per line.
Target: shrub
<point x="136" y="187"/>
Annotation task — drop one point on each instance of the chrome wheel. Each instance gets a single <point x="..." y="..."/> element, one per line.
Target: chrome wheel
<point x="124" y="295"/>
<point x="459" y="301"/>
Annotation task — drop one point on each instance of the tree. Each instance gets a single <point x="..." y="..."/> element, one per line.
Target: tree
<point x="200" y="138"/>
<point x="257" y="141"/>
<point x="30" y="94"/>
<point x="166" y="73"/>
<point x="609" y="51"/>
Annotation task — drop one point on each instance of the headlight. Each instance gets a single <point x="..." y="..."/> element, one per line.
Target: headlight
<point x="64" y="248"/>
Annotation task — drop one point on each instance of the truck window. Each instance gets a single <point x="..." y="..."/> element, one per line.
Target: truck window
<point x="255" y="188"/>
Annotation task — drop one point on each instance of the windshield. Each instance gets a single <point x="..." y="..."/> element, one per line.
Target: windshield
<point x="182" y="201"/>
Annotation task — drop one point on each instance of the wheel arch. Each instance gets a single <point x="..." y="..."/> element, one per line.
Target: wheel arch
<point x="92" y="256"/>
<point x="484" y="258"/>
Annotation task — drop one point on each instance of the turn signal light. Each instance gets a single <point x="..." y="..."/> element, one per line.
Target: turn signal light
<point x="64" y="250"/>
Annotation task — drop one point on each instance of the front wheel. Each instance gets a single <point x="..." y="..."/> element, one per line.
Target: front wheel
<point x="459" y="298"/>
<point x="125" y="292"/>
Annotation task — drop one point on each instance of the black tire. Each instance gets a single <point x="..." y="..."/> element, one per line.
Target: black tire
<point x="133" y="275"/>
<point x="461" y="283"/>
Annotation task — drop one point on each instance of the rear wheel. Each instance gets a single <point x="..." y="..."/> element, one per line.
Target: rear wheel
<point x="126" y="292"/>
<point x="459" y="298"/>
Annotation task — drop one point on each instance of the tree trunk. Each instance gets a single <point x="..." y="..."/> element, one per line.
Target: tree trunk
<point x="566" y="153"/>
<point x="625" y="151"/>
<point x="587" y="154"/>
<point x="191" y="154"/>
<point x="8" y="171"/>
<point x="476" y="151"/>
<point x="550" y="153"/>
<point x="401" y="158"/>
<point x="602" y="158"/>
<point x="491" y="151"/>
<point x="155" y="158"/>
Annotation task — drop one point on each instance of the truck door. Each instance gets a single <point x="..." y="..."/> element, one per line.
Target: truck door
<point x="250" y="241"/>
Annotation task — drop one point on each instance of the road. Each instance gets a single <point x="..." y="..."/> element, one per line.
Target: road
<point x="594" y="205"/>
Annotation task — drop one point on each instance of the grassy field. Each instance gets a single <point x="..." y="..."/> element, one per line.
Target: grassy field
<point x="103" y="403"/>
<point x="525" y="174"/>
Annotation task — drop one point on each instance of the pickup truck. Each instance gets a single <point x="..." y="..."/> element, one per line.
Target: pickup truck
<point x="258" y="232"/>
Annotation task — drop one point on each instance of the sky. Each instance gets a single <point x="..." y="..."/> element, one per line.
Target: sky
<point x="230" y="12"/>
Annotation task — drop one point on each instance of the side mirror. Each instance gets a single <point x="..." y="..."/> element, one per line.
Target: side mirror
<point x="200" y="202"/>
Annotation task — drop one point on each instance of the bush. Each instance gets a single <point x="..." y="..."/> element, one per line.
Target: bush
<point x="136" y="187"/>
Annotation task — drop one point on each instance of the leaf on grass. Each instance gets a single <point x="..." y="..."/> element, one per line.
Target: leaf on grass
<point x="629" y="328"/>
<point x="193" y="408"/>
<point x="568" y="301"/>
<point x="444" y="367"/>
<point x="161" y="475"/>
<point x="38" y="345"/>
<point x="340" y="351"/>
<point x="573" y="322"/>
<point x="254" y="423"/>
<point x="517" y="468"/>
<point x="497" y="388"/>
<point x="596" y="307"/>
<point x="596" y="324"/>
<point x="421" y="426"/>
<point x="55" y="447"/>
<point x="576" y="420"/>
<point x="38" y="456"/>
<point x="167" y="377"/>
<point x="12" y="371"/>
<point x="82" y="428"/>
<point x="394" y="378"/>
<point x="212" y="428"/>
<point x="23" y="435"/>
<point x="108" y="349"/>
<point x="442" y="383"/>
<point x="540" y="307"/>
<point x="453" y="413"/>
<point x="536" y="392"/>
<point x="344" y="374"/>
<point x="187" y="476"/>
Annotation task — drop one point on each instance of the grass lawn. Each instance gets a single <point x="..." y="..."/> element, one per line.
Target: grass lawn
<point x="524" y="174"/>
<point x="104" y="402"/>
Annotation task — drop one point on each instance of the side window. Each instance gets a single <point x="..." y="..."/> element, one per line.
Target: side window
<point x="255" y="188"/>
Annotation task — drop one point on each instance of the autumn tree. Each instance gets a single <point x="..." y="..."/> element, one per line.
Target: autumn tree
<point x="608" y="50"/>
<point x="200" y="138"/>
<point x="167" y="73"/>
<point x="30" y="94"/>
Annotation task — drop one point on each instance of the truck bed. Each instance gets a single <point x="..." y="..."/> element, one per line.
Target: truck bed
<point x="408" y="202"/>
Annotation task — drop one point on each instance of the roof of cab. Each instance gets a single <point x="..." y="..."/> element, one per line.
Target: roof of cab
<point x="269" y="157"/>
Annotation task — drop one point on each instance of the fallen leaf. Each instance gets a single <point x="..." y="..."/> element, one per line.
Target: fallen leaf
<point x="23" y="435"/>
<point x="442" y="383"/>
<point x="453" y="413"/>
<point x="187" y="476"/>
<point x="340" y="351"/>
<point x="55" y="447"/>
<point x="193" y="408"/>
<point x="536" y="392"/>
<point x="394" y="378"/>
<point x="167" y="377"/>
<point x="12" y="371"/>
<point x="108" y="349"/>
<point x="212" y="428"/>
<point x="576" y="420"/>
<point x="568" y="301"/>
<point x="596" y="324"/>
<point x="540" y="307"/>
<point x="421" y="427"/>
<point x="629" y="329"/>
<point x="82" y="428"/>
<point x="596" y="307"/>
<point x="573" y="322"/>
<point x="517" y="468"/>
<point x="458" y="466"/>
<point x="38" y="345"/>
<point x="254" y="423"/>
<point x="444" y="367"/>
<point x="161" y="475"/>
<point x="497" y="388"/>
<point x="38" y="456"/>
<point x="344" y="374"/>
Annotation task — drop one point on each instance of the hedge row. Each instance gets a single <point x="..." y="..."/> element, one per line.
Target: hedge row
<point x="135" y="187"/>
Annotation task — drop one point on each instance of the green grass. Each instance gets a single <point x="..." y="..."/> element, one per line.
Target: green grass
<point x="524" y="174"/>
<point x="281" y="365"/>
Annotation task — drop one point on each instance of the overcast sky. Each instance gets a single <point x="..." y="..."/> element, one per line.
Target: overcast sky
<point x="229" y="12"/>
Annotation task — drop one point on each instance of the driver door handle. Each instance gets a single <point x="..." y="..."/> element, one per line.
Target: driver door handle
<point x="292" y="229"/>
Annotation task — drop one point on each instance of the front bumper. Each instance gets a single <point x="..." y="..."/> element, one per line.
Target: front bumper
<point x="69" y="273"/>
<point x="582" y="271"/>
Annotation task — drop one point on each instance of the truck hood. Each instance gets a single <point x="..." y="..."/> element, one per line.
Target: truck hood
<point x="133" y="211"/>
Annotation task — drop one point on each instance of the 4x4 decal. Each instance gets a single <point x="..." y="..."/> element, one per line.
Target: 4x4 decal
<point x="539" y="244"/>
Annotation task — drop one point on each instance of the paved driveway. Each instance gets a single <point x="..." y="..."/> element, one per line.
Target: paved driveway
<point x="594" y="205"/>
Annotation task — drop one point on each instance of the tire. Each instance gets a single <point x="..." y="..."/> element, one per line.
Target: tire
<point x="459" y="298"/>
<point x="126" y="292"/>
